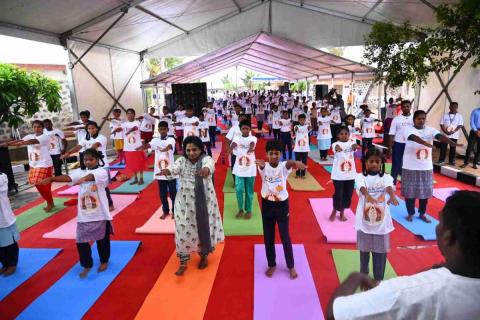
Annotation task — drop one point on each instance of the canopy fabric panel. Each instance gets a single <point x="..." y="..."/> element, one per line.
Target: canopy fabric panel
<point x="265" y="53"/>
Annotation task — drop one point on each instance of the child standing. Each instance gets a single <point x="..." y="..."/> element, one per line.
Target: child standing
<point x="211" y="119"/>
<point x="296" y="112"/>
<point x="286" y="134"/>
<point x="324" y="137"/>
<point x="189" y="123"/>
<point x="372" y="218"/>
<point x="9" y="234"/>
<point x="350" y="124"/>
<point x="368" y="131"/>
<point x="276" y="115"/>
<point x="164" y="147"/>
<point x="203" y="132"/>
<point x="260" y="115"/>
<point x="147" y="125"/>
<point x="93" y="219"/>
<point x="232" y="133"/>
<point x="244" y="169"/>
<point x="275" y="207"/>
<point x="116" y="135"/>
<point x="57" y="145"/>
<point x="343" y="172"/>
<point x="178" y="116"/>
<point x="168" y="118"/>
<point x="302" y="144"/>
<point x="198" y="224"/>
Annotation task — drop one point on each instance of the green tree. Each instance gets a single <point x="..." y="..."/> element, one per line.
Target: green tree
<point x="22" y="94"/>
<point x="338" y="51"/>
<point x="227" y="82"/>
<point x="172" y="62"/>
<point x="247" y="79"/>
<point x="156" y="66"/>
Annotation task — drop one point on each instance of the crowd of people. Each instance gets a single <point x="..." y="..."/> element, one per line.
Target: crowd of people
<point x="289" y="122"/>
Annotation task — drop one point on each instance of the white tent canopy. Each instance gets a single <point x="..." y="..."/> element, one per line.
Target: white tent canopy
<point x="265" y="53"/>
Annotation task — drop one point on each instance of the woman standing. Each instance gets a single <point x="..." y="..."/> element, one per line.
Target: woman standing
<point x="417" y="170"/>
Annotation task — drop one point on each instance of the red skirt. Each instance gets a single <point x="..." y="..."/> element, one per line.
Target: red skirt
<point x="135" y="160"/>
<point x="147" y="136"/>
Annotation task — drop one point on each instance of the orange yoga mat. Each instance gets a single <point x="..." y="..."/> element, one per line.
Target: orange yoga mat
<point x="185" y="297"/>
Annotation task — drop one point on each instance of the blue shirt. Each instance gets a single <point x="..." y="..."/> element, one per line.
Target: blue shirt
<point x="475" y="119"/>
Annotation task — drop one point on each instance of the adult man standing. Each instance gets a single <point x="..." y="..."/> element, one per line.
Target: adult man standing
<point x="473" y="138"/>
<point x="450" y="124"/>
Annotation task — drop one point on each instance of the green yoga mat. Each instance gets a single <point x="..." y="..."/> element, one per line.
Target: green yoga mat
<point x="126" y="188"/>
<point x="241" y="227"/>
<point x="348" y="261"/>
<point x="36" y="214"/>
<point x="388" y="168"/>
<point x="229" y="186"/>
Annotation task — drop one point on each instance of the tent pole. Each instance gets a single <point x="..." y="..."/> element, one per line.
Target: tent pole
<point x="71" y="87"/>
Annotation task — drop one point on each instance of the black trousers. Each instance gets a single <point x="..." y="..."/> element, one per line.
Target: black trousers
<point x="260" y="126"/>
<point x="103" y="248"/>
<point x="166" y="187"/>
<point x="379" y="264"/>
<point x="301" y="156"/>
<point x="9" y="255"/>
<point x="208" y="146"/>
<point x="323" y="154"/>
<point x="233" y="158"/>
<point x="57" y="164"/>
<point x="286" y="138"/>
<point x="277" y="212"/>
<point x="109" y="196"/>
<point x="276" y="134"/>
<point x="451" y="154"/>
<point x="366" y="144"/>
<point x="212" y="131"/>
<point x="334" y="128"/>
<point x="342" y="197"/>
<point x="422" y="206"/>
<point x="82" y="165"/>
<point x="472" y="141"/>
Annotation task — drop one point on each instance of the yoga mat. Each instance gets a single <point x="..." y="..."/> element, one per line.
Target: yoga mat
<point x="313" y="147"/>
<point x="74" y="189"/>
<point x="328" y="168"/>
<point x="348" y="261"/>
<point x="280" y="297"/>
<point x="36" y="214"/>
<point x="229" y="185"/>
<point x="186" y="297"/>
<point x="241" y="227"/>
<point x="417" y="227"/>
<point x="307" y="184"/>
<point x="117" y="166"/>
<point x="68" y="230"/>
<point x="155" y="225"/>
<point x="30" y="261"/>
<point x="443" y="193"/>
<point x="71" y="297"/>
<point x="126" y="188"/>
<point x="55" y="186"/>
<point x="315" y="156"/>
<point x="335" y="231"/>
<point x="388" y="168"/>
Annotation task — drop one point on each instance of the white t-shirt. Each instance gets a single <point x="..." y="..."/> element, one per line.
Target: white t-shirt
<point x="39" y="154"/>
<point x="56" y="136"/>
<point x="179" y="115"/>
<point x="451" y="122"/>
<point x="285" y="125"/>
<point x="210" y="117"/>
<point x="276" y="115"/>
<point x="352" y="132"/>
<point x="343" y="162"/>
<point x="248" y="108"/>
<point x="102" y="140"/>
<point x="7" y="217"/>
<point x="80" y="133"/>
<point x="234" y="119"/>
<point x="391" y="111"/>
<point x="301" y="139"/>
<point x="335" y="115"/>
<point x="373" y="218"/>
<point x="168" y="119"/>
<point x="261" y="108"/>
<point x="132" y="140"/>
<point x="233" y="133"/>
<point x="290" y="101"/>
<point x="189" y="129"/>
<point x="368" y="130"/>
<point x="245" y="163"/>
<point x="295" y="113"/>
<point x="274" y="181"/>
<point x="163" y="160"/>
<point x="203" y="131"/>
<point x="148" y="123"/>
<point x="114" y="124"/>
<point x="417" y="156"/>
<point x="434" y="294"/>
<point x="324" y="131"/>
<point x="92" y="199"/>
<point x="399" y="126"/>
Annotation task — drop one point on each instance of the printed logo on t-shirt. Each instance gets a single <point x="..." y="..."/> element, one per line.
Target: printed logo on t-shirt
<point x="52" y="143"/>
<point x="346" y="166"/>
<point x="369" y="130"/>
<point x="335" y="118"/>
<point x="373" y="213"/>
<point x="244" y="161"/>
<point x="131" y="139"/>
<point x="302" y="142"/>
<point x="203" y="132"/>
<point x="89" y="200"/>
<point x="422" y="153"/>
<point x="325" y="131"/>
<point x="163" y="164"/>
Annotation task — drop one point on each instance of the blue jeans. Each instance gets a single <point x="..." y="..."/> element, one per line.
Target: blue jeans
<point x="397" y="160"/>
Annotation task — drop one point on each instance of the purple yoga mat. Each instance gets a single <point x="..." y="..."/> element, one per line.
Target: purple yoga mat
<point x="443" y="193"/>
<point x="336" y="231"/>
<point x="279" y="297"/>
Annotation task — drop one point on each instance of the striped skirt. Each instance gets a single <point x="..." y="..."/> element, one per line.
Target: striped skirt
<point x="417" y="183"/>
<point x="379" y="243"/>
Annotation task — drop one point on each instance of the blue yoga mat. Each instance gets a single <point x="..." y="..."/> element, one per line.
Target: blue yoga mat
<point x="71" y="297"/>
<point x="313" y="147"/>
<point x="126" y="188"/>
<point x="328" y="168"/>
<point x="30" y="261"/>
<point x="117" y="166"/>
<point x="417" y="226"/>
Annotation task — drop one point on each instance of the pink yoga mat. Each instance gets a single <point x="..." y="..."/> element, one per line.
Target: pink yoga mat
<point x="443" y="193"/>
<point x="280" y="297"/>
<point x="74" y="189"/>
<point x="68" y="230"/>
<point x="155" y="225"/>
<point x="336" y="231"/>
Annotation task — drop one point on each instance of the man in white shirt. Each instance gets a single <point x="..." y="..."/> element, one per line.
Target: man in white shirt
<point x="449" y="291"/>
<point x="450" y="124"/>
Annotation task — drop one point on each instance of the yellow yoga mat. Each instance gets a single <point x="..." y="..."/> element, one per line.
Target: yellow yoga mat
<point x="184" y="297"/>
<point x="307" y="184"/>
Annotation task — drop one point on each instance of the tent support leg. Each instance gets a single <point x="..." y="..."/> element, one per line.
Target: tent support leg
<point x="444" y="88"/>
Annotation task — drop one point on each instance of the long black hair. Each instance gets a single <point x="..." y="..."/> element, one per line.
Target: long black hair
<point x="97" y="155"/>
<point x="373" y="152"/>
<point x="192" y="140"/>
<point x="91" y="123"/>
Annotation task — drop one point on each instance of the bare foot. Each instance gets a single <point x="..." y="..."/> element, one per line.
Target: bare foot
<point x="49" y="207"/>
<point x="342" y="216"/>
<point x="181" y="270"/>
<point x="203" y="263"/>
<point x="332" y="215"/>
<point x="296" y="177"/>
<point x="293" y="273"/>
<point x="140" y="182"/>
<point x="133" y="182"/>
<point x="425" y="218"/>
<point x="270" y="271"/>
<point x="111" y="208"/>
<point x="239" y="214"/>
<point x="248" y="215"/>
<point x="409" y="218"/>
<point x="84" y="273"/>
<point x="163" y="216"/>
<point x="103" y="267"/>
<point x="9" y="271"/>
